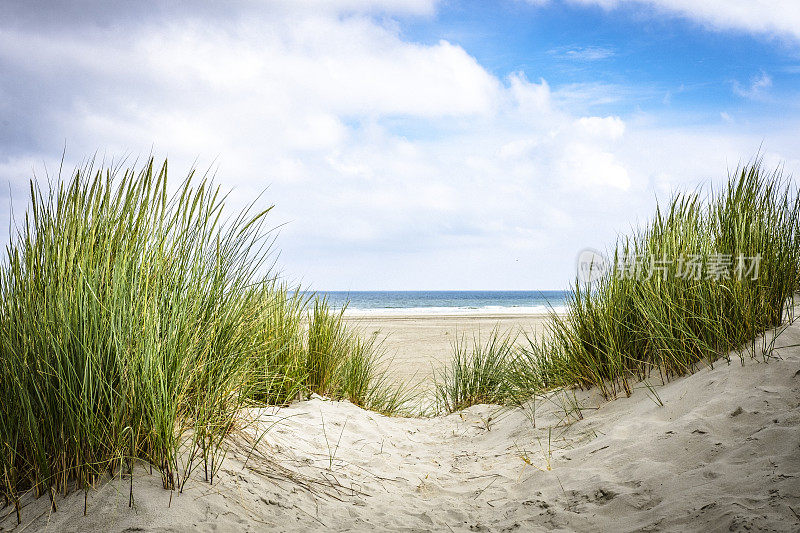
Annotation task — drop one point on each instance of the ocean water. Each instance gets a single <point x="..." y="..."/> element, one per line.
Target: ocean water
<point x="446" y="302"/>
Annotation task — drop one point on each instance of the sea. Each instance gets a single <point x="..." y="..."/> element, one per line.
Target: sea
<point x="387" y="303"/>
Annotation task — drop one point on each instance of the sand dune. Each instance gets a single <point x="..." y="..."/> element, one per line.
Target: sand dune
<point x="722" y="453"/>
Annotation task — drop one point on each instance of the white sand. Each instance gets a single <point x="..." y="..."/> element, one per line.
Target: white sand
<point x="722" y="453"/>
<point x="419" y="345"/>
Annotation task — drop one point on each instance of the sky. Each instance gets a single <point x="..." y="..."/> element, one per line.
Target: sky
<point x="410" y="145"/>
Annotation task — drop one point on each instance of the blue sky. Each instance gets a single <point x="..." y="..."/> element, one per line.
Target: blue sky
<point x="412" y="144"/>
<point x="668" y="63"/>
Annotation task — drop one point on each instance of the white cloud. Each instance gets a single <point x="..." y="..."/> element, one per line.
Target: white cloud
<point x="756" y="88"/>
<point x="532" y="99"/>
<point x="601" y="127"/>
<point x="590" y="166"/>
<point x="583" y="97"/>
<point x="772" y="17"/>
<point x="396" y="164"/>
<point x="412" y="7"/>
<point x="587" y="53"/>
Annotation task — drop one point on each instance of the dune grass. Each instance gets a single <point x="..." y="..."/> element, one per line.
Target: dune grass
<point x="478" y="373"/>
<point x="703" y="299"/>
<point x="345" y="364"/>
<point x="328" y="348"/>
<point x="135" y="322"/>
<point x="278" y="372"/>
<point x="630" y="326"/>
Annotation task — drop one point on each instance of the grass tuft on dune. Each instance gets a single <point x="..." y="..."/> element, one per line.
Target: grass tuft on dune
<point x="135" y="322"/>
<point x="628" y="326"/>
<point x="477" y="374"/>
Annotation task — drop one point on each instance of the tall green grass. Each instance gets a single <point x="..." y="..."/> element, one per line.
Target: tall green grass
<point x="628" y="326"/>
<point x="344" y="364"/>
<point x="278" y="372"/>
<point x="135" y="322"/>
<point x="328" y="348"/>
<point x="478" y="373"/>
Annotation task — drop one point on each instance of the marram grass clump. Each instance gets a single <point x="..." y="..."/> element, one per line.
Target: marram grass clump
<point x="134" y="324"/>
<point x="703" y="279"/>
<point x="344" y="364"/>
<point x="478" y="373"/>
<point x="727" y="268"/>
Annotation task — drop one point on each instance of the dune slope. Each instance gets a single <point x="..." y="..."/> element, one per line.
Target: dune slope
<point x="722" y="453"/>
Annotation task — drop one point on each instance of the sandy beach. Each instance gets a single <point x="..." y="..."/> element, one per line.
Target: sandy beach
<point x="400" y="266"/>
<point x="417" y="345"/>
<point x="714" y="451"/>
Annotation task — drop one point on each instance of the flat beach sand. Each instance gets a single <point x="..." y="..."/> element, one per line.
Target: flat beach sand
<point x="417" y="345"/>
<point x="718" y="450"/>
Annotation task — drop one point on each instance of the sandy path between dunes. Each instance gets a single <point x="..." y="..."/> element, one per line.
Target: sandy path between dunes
<point x="721" y="454"/>
<point x="418" y="344"/>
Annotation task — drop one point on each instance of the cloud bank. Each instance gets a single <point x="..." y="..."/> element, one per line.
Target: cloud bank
<point x="780" y="18"/>
<point x="393" y="164"/>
